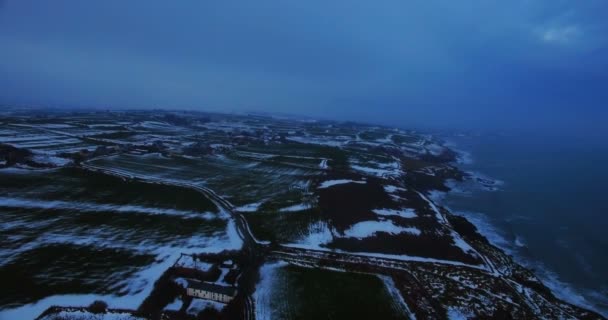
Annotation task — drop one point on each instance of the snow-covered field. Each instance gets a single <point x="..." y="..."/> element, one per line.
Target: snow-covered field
<point x="99" y="207"/>
<point x="134" y="289"/>
<point x="263" y="295"/>
<point x="115" y="251"/>
<point x="43" y="143"/>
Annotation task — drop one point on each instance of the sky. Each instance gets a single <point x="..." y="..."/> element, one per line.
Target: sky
<point x="519" y="64"/>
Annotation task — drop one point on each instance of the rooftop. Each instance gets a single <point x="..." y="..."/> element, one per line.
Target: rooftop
<point x="230" y="291"/>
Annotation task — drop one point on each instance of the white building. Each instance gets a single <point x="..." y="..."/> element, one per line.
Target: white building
<point x="210" y="291"/>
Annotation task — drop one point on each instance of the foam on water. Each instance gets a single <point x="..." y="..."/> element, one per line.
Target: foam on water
<point x="561" y="289"/>
<point x="499" y="154"/>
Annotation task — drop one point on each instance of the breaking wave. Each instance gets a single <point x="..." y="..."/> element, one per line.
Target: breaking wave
<point x="512" y="244"/>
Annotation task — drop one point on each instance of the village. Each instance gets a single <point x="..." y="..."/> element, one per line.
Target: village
<point x="196" y="286"/>
<point x="198" y="281"/>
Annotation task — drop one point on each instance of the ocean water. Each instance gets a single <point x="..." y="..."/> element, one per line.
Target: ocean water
<point x="550" y="210"/>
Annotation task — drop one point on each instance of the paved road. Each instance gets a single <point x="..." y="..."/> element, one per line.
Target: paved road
<point x="338" y="257"/>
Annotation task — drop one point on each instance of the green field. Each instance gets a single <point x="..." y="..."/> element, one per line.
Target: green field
<point x="302" y="293"/>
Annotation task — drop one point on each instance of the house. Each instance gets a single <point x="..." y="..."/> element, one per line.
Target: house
<point x="210" y="291"/>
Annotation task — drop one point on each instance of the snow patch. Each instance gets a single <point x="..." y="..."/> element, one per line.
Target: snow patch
<point x="435" y="149"/>
<point x="198" y="305"/>
<point x="318" y="141"/>
<point x="323" y="164"/>
<point x="369" y="228"/>
<point x="378" y="172"/>
<point x="458" y="314"/>
<point x="463" y="245"/>
<point x="51" y="160"/>
<point x="99" y="207"/>
<point x="187" y="261"/>
<point x="252" y="207"/>
<point x="175" y="305"/>
<point x="318" y="235"/>
<point x="296" y="207"/>
<point x="331" y="183"/>
<point x="404" y="213"/>
<point x="393" y="189"/>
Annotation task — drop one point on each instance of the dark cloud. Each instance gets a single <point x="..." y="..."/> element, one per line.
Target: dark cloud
<point x="427" y="63"/>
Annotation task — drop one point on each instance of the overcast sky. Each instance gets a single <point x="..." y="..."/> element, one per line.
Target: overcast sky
<point x="429" y="63"/>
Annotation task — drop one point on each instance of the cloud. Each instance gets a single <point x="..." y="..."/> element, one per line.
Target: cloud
<point x="561" y="35"/>
<point x="431" y="61"/>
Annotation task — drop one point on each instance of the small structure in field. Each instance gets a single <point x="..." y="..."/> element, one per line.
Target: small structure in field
<point x="190" y="261"/>
<point x="210" y="291"/>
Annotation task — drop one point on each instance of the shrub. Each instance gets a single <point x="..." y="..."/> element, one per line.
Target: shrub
<point x="98" y="306"/>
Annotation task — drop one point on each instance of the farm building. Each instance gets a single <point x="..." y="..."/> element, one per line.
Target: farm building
<point x="210" y="291"/>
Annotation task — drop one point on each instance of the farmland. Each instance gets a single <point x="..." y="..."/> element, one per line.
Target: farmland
<point x="314" y="218"/>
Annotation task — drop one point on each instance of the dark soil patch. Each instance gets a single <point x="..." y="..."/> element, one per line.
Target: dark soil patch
<point x="465" y="228"/>
<point x="346" y="204"/>
<point x="282" y="226"/>
<point x="425" y="182"/>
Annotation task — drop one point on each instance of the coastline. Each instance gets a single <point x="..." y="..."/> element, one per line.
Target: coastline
<point x="508" y="241"/>
<point x="374" y="216"/>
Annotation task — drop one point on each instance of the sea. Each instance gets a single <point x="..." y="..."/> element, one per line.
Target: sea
<point x="548" y="206"/>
